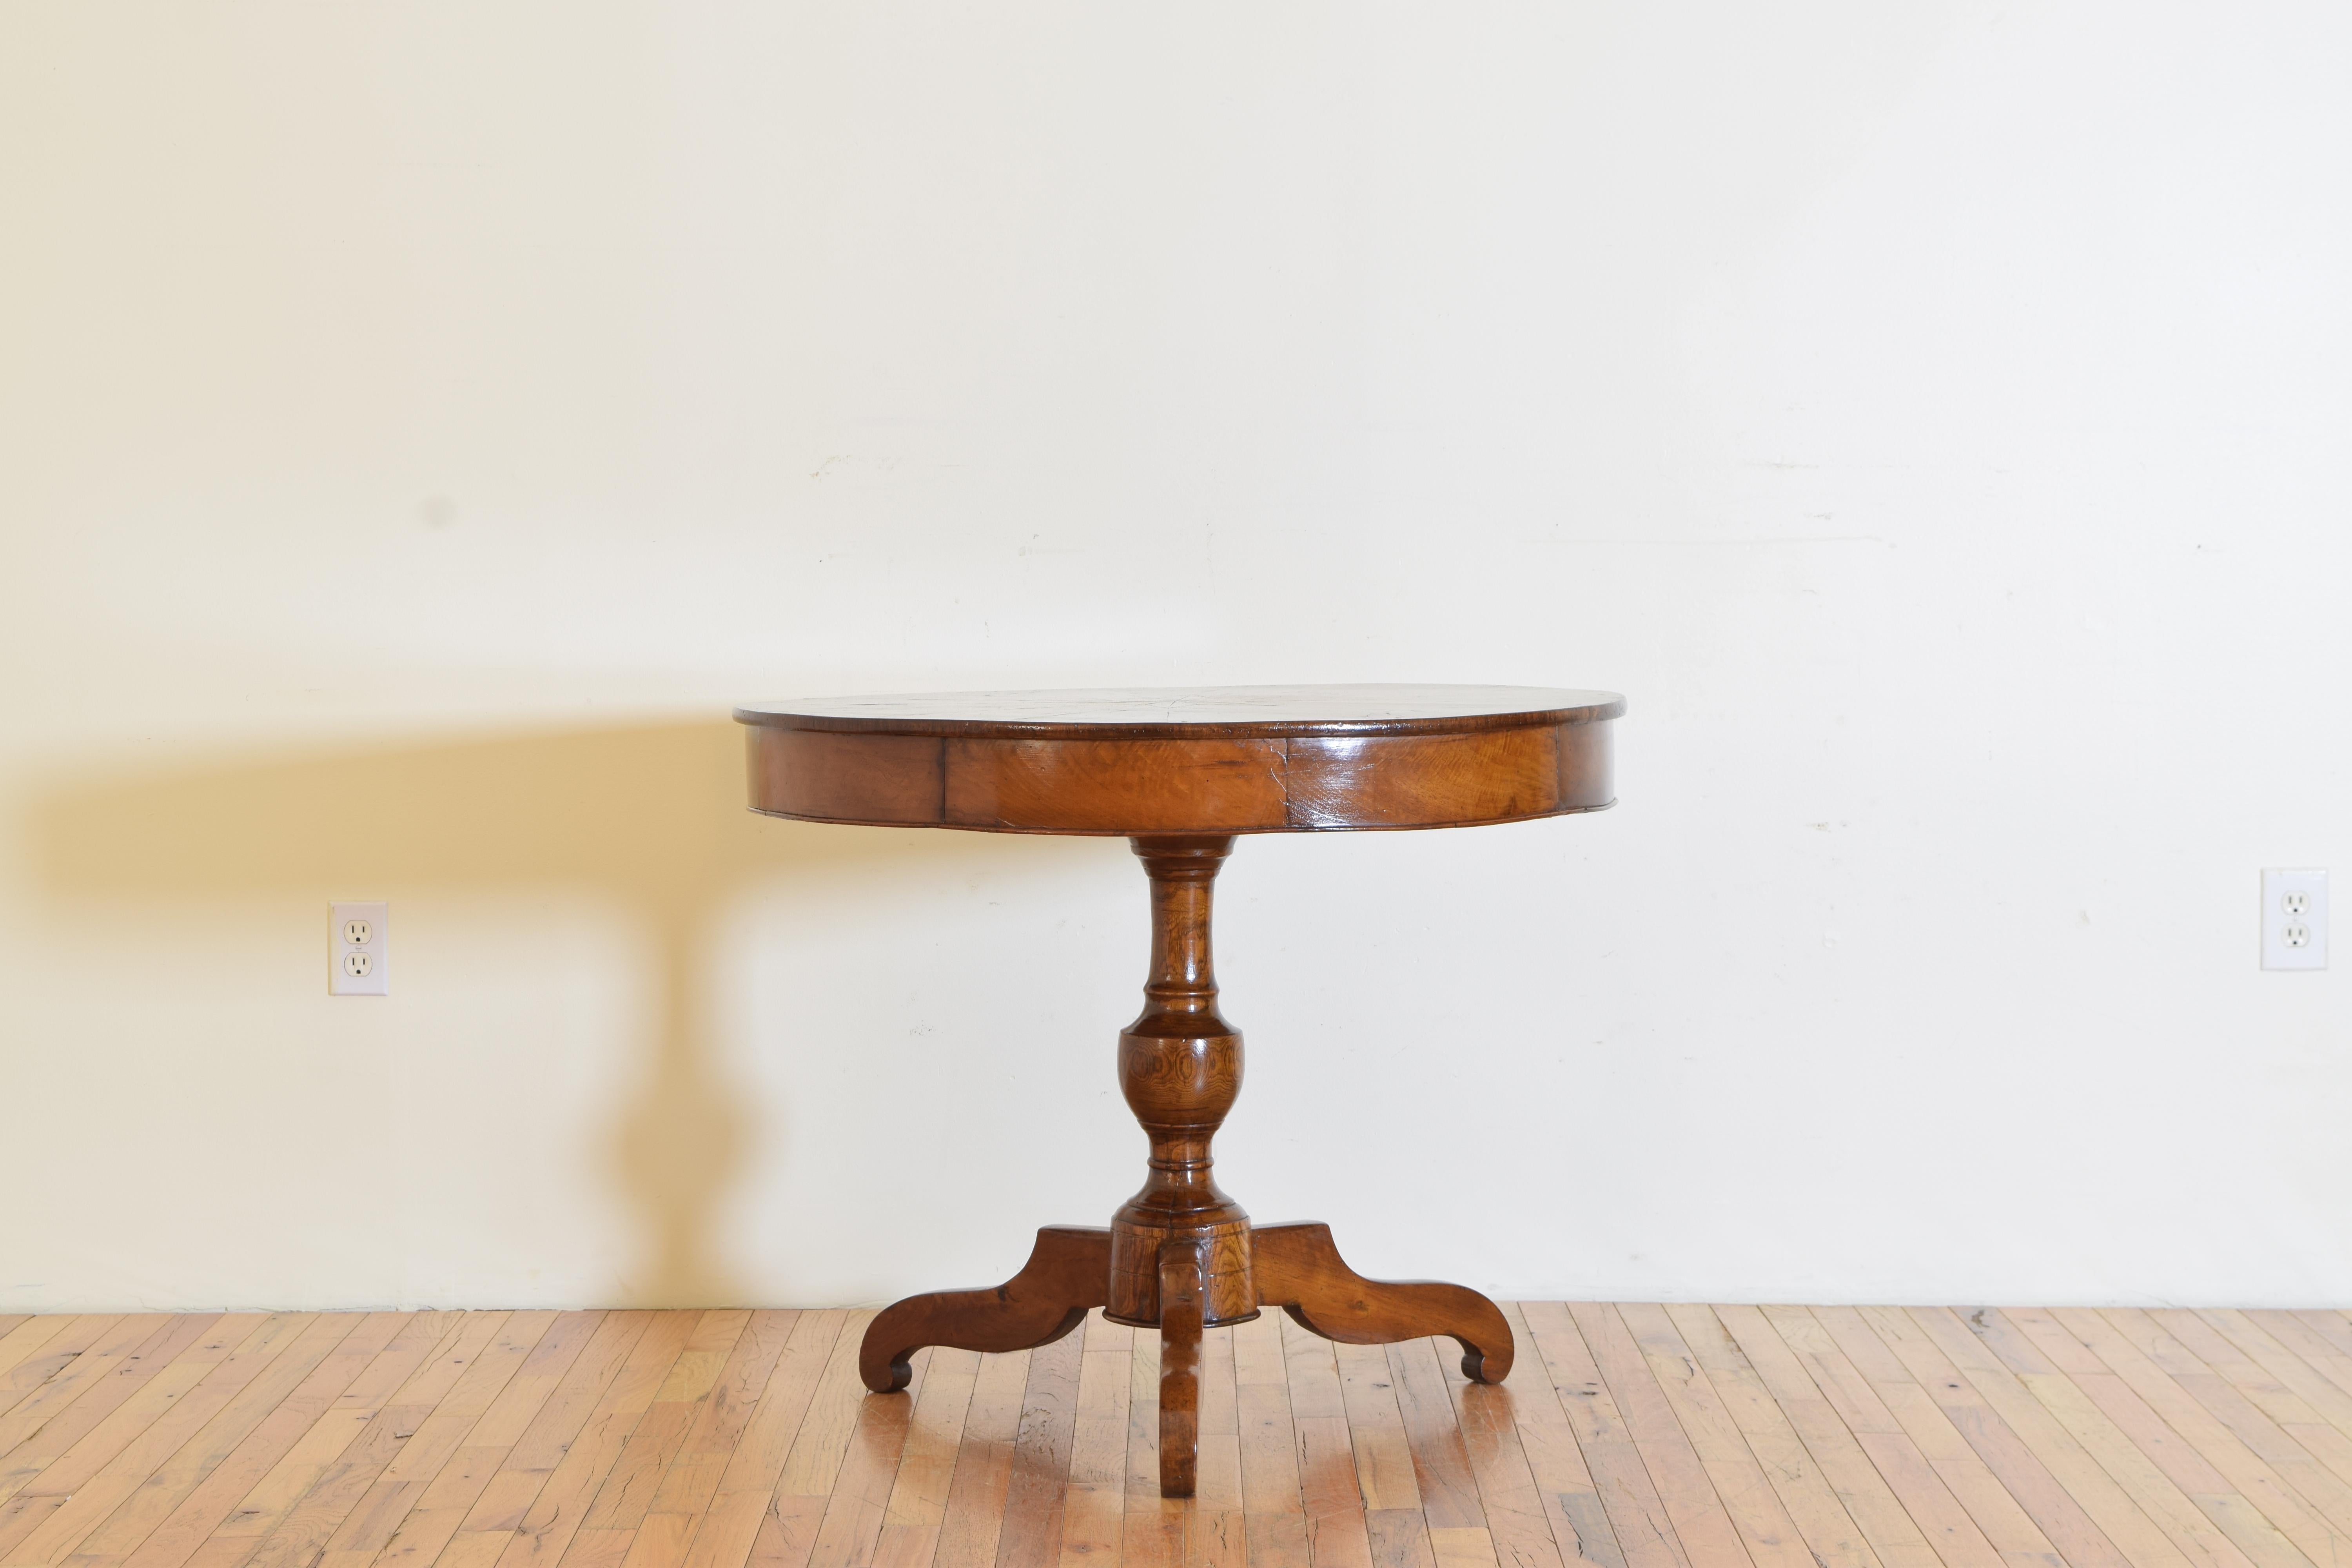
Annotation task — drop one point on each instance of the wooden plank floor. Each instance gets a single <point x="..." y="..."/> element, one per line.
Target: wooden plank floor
<point x="1634" y="1436"/>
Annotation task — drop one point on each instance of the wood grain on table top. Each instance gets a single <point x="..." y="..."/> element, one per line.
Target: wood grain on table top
<point x="1193" y="713"/>
<point x="1236" y="759"/>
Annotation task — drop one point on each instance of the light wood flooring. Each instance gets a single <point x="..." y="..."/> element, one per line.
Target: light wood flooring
<point x="1644" y="1437"/>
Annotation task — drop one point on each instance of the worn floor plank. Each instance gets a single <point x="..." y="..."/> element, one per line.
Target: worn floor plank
<point x="1631" y="1436"/>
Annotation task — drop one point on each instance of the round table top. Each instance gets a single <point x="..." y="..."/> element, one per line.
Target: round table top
<point x="1195" y="713"/>
<point x="1207" y="760"/>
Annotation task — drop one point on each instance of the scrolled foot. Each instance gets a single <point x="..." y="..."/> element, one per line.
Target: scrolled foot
<point x="1300" y="1270"/>
<point x="1068" y="1272"/>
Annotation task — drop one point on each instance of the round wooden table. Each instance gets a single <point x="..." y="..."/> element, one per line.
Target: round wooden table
<point x="1178" y="773"/>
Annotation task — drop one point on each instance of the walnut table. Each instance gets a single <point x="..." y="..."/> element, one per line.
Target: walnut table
<point x="1178" y="773"/>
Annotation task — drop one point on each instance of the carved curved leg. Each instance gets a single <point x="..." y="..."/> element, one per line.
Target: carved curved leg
<point x="1183" y="1277"/>
<point x="1300" y="1270"/>
<point x="1069" y="1271"/>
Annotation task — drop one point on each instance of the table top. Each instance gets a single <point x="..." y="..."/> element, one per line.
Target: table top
<point x="1195" y="713"/>
<point x="1186" y="759"/>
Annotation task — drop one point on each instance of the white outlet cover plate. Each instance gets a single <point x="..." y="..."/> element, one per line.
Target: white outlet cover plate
<point x="377" y="980"/>
<point x="2278" y="919"/>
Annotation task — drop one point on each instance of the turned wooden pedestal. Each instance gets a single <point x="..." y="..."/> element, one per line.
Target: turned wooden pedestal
<point x="1179" y="773"/>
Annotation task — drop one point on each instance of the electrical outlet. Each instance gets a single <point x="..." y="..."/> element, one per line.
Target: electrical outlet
<point x="356" y="937"/>
<point x="2294" y="919"/>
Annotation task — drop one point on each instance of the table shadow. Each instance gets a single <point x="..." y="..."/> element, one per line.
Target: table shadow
<point x="650" y="816"/>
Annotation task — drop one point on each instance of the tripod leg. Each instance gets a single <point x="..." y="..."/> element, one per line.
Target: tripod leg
<point x="1183" y="1269"/>
<point x="1068" y="1272"/>
<point x="1300" y="1270"/>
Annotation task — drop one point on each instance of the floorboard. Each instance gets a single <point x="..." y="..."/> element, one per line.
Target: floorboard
<point x="1631" y="1435"/>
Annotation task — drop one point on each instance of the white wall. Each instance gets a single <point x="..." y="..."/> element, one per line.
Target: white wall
<point x="417" y="424"/>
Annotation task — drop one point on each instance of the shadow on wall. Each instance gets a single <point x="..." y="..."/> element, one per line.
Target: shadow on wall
<point x="652" y="817"/>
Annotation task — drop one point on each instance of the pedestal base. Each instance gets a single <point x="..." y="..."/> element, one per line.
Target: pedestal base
<point x="1180" y="1255"/>
<point x="1294" y="1266"/>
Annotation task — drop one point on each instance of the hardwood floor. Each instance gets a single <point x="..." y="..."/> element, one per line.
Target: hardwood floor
<point x="1634" y="1435"/>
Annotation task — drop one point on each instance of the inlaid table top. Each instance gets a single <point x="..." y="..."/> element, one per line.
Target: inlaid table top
<point x="1210" y="759"/>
